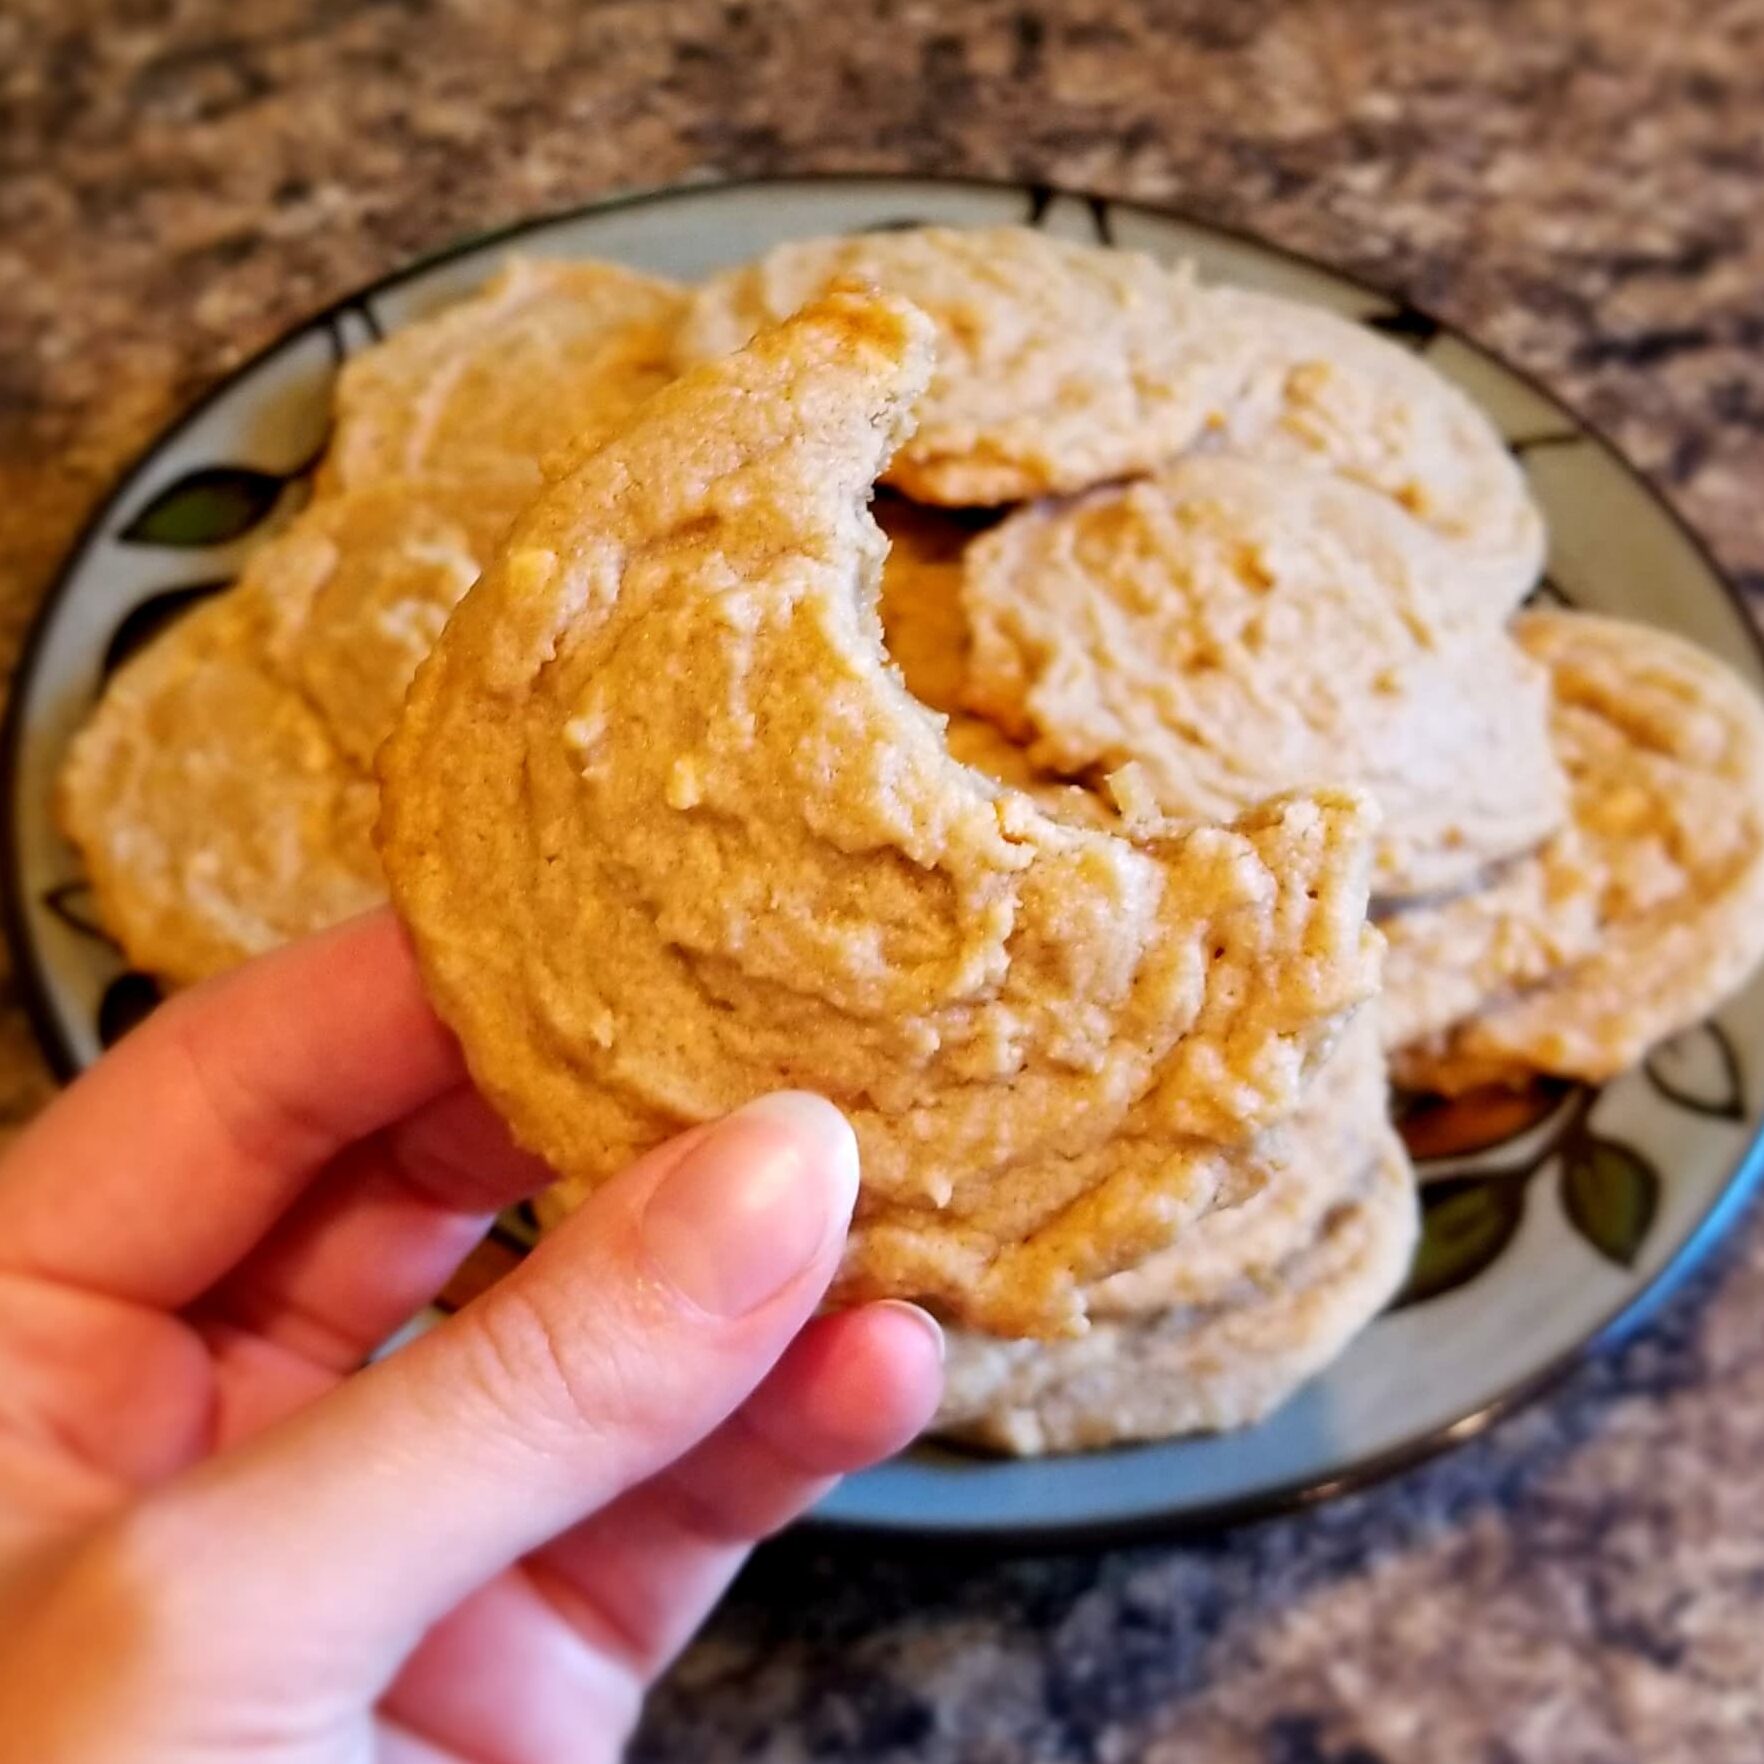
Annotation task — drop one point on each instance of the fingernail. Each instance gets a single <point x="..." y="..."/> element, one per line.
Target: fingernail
<point x="922" y="1318"/>
<point x="754" y="1203"/>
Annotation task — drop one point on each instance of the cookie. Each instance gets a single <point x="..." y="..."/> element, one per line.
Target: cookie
<point x="359" y="586"/>
<point x="669" y="832"/>
<point x="1194" y="1368"/>
<point x="1640" y="916"/>
<point x="982" y="745"/>
<point x="1448" y="957"/>
<point x="1320" y="390"/>
<point x="547" y="357"/>
<point x="1059" y="365"/>
<point x="923" y="624"/>
<point x="1281" y="1188"/>
<point x="1239" y="629"/>
<point x="214" y="813"/>
<point x="926" y="633"/>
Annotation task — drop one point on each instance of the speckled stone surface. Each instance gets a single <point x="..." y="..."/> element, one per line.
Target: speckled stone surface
<point x="1578" y="182"/>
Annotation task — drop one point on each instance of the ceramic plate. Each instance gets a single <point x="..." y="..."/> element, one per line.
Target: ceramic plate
<point x="1553" y="1219"/>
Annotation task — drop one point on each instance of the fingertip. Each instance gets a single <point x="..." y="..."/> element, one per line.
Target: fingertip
<point x="820" y="1131"/>
<point x="915" y="1316"/>
<point x="756" y="1210"/>
<point x="855" y="1387"/>
<point x="902" y="1381"/>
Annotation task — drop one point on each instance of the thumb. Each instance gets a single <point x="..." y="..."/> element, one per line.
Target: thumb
<point x="624" y="1339"/>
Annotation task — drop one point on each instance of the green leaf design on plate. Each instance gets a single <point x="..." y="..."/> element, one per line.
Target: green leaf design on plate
<point x="1466" y="1222"/>
<point x="1699" y="1070"/>
<point x="1610" y="1193"/>
<point x="206" y="507"/>
<point x="1042" y="197"/>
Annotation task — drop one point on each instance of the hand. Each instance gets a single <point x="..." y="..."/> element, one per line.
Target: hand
<point x="221" y="1538"/>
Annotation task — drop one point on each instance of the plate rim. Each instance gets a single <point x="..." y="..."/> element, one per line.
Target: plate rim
<point x="1018" y="1536"/>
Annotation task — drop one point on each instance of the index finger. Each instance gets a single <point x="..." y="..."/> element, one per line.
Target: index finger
<point x="159" y="1168"/>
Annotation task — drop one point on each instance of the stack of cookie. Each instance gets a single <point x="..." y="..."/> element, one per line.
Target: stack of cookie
<point x="1193" y="642"/>
<point x="1180" y="581"/>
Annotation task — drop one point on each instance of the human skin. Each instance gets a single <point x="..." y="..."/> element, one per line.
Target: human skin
<point x="222" y="1537"/>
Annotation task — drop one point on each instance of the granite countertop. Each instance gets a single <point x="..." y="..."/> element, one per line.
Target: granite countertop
<point x="1575" y="181"/>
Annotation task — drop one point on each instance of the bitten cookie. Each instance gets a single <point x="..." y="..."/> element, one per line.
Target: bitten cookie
<point x="1282" y="1187"/>
<point x="669" y="832"/>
